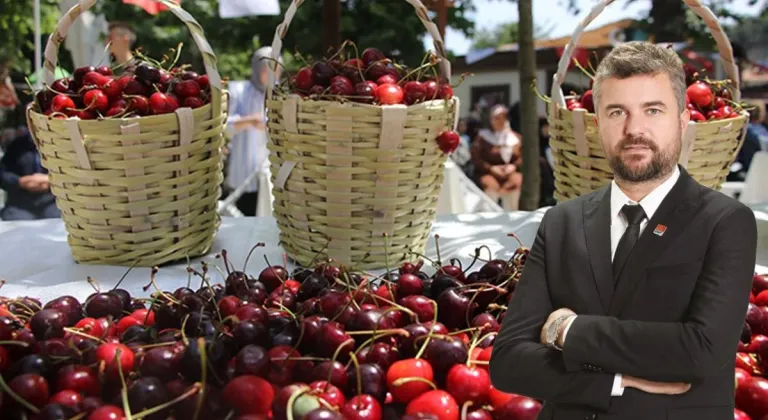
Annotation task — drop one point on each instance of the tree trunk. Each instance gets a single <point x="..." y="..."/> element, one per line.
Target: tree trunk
<point x="667" y="21"/>
<point x="529" y="120"/>
<point x="331" y="25"/>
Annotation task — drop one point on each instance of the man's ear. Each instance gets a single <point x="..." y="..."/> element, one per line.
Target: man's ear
<point x="597" y="123"/>
<point x="685" y="118"/>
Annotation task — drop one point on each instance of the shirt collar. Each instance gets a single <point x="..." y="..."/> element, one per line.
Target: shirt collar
<point x="650" y="202"/>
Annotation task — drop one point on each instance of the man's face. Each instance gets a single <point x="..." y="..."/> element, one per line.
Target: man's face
<point x="641" y="127"/>
<point x="118" y="39"/>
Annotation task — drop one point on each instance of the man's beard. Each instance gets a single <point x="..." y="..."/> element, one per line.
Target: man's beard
<point x="662" y="161"/>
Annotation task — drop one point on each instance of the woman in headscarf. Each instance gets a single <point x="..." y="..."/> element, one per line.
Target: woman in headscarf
<point x="497" y="157"/>
<point x="248" y="149"/>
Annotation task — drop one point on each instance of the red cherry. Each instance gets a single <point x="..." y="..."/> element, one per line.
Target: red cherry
<point x="389" y="94"/>
<point x="575" y="105"/>
<point x="519" y="408"/>
<point x="187" y="88"/>
<point x="445" y="91"/>
<point x="127" y="322"/>
<point x="131" y="86"/>
<point x="431" y="88"/>
<point x="249" y="395"/>
<point x="113" y="90"/>
<point x="437" y="402"/>
<point x="67" y="398"/>
<point x="697" y="116"/>
<point x="448" y="141"/>
<point x="372" y="55"/>
<point x="139" y="104"/>
<point x="104" y="70"/>
<point x="193" y="101"/>
<point x="719" y="102"/>
<point x="714" y="114"/>
<point x="498" y="398"/>
<point x="362" y="407"/>
<point x="407" y="379"/>
<point x="341" y="85"/>
<point x="85" y="115"/>
<point x="387" y="78"/>
<point x="30" y="387"/>
<point x="146" y="316"/>
<point x="751" y="398"/>
<point x="587" y="101"/>
<point x="741" y="376"/>
<point x="303" y="79"/>
<point x="95" y="79"/>
<point x="96" y="100"/>
<point x="364" y="91"/>
<point x="203" y="82"/>
<point x="467" y="383"/>
<point x="108" y="353"/>
<point x="160" y="103"/>
<point x="414" y="92"/>
<point x="740" y="415"/>
<point x="107" y="412"/>
<point x="700" y="94"/>
<point x="62" y="103"/>
<point x="60" y="86"/>
<point x="228" y="305"/>
<point x="328" y="393"/>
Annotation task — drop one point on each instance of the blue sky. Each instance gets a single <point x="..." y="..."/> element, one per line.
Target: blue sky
<point x="548" y="13"/>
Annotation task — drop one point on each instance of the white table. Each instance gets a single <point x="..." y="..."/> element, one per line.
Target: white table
<point x="35" y="259"/>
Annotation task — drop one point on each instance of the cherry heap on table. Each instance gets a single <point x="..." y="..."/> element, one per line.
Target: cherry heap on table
<point x="147" y="87"/>
<point x="324" y="342"/>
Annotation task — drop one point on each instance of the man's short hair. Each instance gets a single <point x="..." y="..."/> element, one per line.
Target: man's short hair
<point x="638" y="58"/>
<point x="124" y="29"/>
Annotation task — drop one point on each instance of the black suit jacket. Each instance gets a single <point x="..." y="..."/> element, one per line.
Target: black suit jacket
<point x="675" y="314"/>
<point x="20" y="159"/>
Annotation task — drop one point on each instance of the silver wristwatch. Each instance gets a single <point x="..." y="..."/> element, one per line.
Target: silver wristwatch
<point x="554" y="327"/>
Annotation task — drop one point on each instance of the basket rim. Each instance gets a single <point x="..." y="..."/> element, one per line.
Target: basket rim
<point x="350" y="103"/>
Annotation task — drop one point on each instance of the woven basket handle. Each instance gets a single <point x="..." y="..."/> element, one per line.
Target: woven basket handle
<point x="723" y="46"/>
<point x="418" y="6"/>
<point x="198" y="35"/>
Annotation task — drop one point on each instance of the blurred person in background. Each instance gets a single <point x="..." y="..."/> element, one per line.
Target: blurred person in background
<point x="753" y="142"/>
<point x="26" y="182"/>
<point x="121" y="39"/>
<point x="547" y="187"/>
<point x="247" y="126"/>
<point x="462" y="155"/>
<point x="497" y="159"/>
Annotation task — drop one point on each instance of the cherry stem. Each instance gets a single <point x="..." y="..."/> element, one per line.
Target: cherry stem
<point x="226" y="262"/>
<point x="14" y="343"/>
<point x="124" y="390"/>
<point x="272" y="269"/>
<point x="394" y="305"/>
<point x="16" y="397"/>
<point x="381" y="334"/>
<point x="465" y="409"/>
<point x="424" y="257"/>
<point x="437" y="249"/>
<point x="386" y="253"/>
<point x="583" y="70"/>
<point x="466" y="330"/>
<point x="178" y="55"/>
<point x="474" y="259"/>
<point x="416" y="70"/>
<point x="291" y="401"/>
<point x="203" y="377"/>
<point x="153" y="283"/>
<point x="357" y="369"/>
<point x="336" y="356"/>
<point x="253" y="248"/>
<point x="126" y="274"/>
<point x="94" y="284"/>
<point x="494" y="306"/>
<point x="403" y="381"/>
<point x="301" y="359"/>
<point x="213" y="293"/>
<point x="430" y="333"/>
<point x="322" y="250"/>
<point x="82" y="334"/>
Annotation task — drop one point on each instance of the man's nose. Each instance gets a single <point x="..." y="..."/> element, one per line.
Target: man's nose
<point x="635" y="124"/>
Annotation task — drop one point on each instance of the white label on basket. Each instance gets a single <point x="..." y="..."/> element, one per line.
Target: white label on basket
<point x="456" y="112"/>
<point x="289" y="114"/>
<point x="283" y="173"/>
<point x="78" y="143"/>
<point x="726" y="128"/>
<point x="392" y="126"/>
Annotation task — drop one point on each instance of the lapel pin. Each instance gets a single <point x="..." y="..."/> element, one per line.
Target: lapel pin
<point x="660" y="229"/>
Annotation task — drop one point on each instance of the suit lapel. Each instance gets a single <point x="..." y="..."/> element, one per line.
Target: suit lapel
<point x="675" y="212"/>
<point x="597" y="232"/>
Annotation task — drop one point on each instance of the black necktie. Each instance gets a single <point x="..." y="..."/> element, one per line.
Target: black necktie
<point x="634" y="215"/>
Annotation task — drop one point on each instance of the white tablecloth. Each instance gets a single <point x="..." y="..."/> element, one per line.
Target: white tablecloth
<point x="35" y="259"/>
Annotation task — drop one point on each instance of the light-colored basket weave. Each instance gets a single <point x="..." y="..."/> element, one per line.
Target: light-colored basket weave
<point x="136" y="190"/>
<point x="346" y="174"/>
<point x="708" y="150"/>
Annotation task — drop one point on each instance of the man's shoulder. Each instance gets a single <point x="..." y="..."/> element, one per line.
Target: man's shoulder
<point x="716" y="205"/>
<point x="575" y="206"/>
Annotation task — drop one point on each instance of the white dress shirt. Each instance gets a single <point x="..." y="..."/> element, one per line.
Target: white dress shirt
<point x="650" y="204"/>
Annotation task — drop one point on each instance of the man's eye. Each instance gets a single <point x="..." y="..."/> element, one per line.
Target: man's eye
<point x="654" y="111"/>
<point x="615" y="113"/>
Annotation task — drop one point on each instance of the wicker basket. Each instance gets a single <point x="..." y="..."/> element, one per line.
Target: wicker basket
<point x="139" y="190"/>
<point x="346" y="174"/>
<point x="708" y="150"/>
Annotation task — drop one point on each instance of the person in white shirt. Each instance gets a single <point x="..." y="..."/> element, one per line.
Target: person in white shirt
<point x="633" y="297"/>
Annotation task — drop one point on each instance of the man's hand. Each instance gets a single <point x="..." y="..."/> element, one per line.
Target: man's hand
<point x="668" y="388"/>
<point x="498" y="171"/>
<point x="34" y="183"/>
<point x="552" y="317"/>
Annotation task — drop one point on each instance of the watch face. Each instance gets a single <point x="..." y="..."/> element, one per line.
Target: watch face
<point x="552" y="333"/>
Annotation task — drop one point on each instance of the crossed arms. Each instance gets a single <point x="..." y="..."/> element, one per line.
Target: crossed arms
<point x="685" y="351"/>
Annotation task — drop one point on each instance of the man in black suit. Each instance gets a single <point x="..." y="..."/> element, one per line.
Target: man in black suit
<point x="633" y="297"/>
